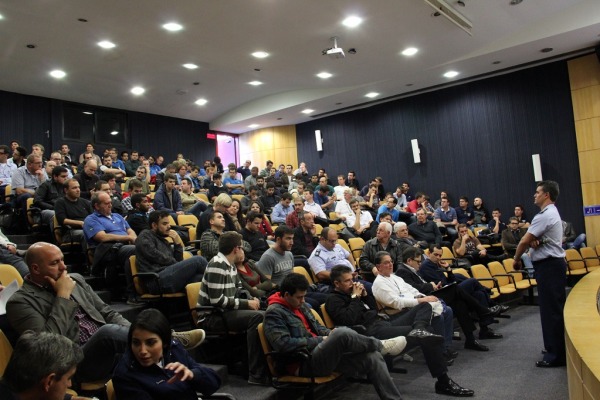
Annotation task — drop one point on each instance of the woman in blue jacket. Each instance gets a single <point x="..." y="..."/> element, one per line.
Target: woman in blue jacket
<point x="156" y="367"/>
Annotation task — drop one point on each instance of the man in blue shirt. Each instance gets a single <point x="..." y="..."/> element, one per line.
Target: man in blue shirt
<point x="464" y="212"/>
<point x="282" y="209"/>
<point x="112" y="239"/>
<point x="544" y="238"/>
<point x="233" y="185"/>
<point x="389" y="207"/>
<point x="446" y="215"/>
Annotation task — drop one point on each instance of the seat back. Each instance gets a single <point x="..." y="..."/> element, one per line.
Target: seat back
<point x="343" y="243"/>
<point x="237" y="197"/>
<point x="481" y="273"/>
<point x="589" y="256"/>
<point x="192" y="291"/>
<point x="496" y="269"/>
<point x="317" y="316"/>
<point x="326" y="318"/>
<point x="356" y="245"/>
<point x="318" y="229"/>
<point x="139" y="288"/>
<point x="8" y="273"/>
<point x="509" y="266"/>
<point x="203" y="197"/>
<point x="187" y="220"/>
<point x="574" y="260"/>
<point x="57" y="230"/>
<point x="266" y="346"/>
<point x="7" y="193"/>
<point x="5" y="352"/>
<point x="447" y="255"/>
<point x="461" y="271"/>
<point x="304" y="272"/>
<point x="110" y="391"/>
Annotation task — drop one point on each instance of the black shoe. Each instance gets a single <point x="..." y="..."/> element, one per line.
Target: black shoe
<point x="489" y="334"/>
<point x="475" y="345"/>
<point x="450" y="354"/>
<point x="452" y="389"/>
<point x="550" y="364"/>
<point x="449" y="362"/>
<point x="424" y="336"/>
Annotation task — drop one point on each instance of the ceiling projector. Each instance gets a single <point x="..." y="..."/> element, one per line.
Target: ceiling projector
<point x="335" y="52"/>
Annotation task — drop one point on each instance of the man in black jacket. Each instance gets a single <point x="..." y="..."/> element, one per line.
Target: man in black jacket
<point x="461" y="302"/>
<point x="350" y="305"/>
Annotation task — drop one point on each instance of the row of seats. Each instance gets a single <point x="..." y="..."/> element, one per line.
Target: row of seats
<point x="581" y="262"/>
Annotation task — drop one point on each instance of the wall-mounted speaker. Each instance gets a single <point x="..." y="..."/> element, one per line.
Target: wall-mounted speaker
<point x="319" y="140"/>
<point x="416" y="151"/>
<point x="537" y="167"/>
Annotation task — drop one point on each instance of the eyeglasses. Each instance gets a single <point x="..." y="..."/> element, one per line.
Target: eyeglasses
<point x="417" y="260"/>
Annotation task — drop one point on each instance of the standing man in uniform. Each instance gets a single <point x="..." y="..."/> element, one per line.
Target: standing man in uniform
<point x="544" y="237"/>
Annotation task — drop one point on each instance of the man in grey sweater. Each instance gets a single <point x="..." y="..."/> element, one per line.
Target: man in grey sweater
<point x="155" y="254"/>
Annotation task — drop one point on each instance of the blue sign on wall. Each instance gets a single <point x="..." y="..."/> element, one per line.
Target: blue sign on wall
<point x="589" y="211"/>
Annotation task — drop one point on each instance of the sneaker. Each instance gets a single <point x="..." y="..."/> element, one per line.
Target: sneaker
<point x="393" y="346"/>
<point x="190" y="339"/>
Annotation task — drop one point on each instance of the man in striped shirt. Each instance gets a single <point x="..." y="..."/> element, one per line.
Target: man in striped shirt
<point x="222" y="287"/>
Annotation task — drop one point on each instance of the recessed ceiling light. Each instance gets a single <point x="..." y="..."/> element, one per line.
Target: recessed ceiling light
<point x="105" y="44"/>
<point x="255" y="83"/>
<point x="88" y="112"/>
<point x="114" y="133"/>
<point x="352" y="22"/>
<point x="307" y="111"/>
<point x="546" y="49"/>
<point x="172" y="27"/>
<point x="324" y="75"/>
<point x="515" y="2"/>
<point x="496" y="62"/>
<point x="253" y="126"/>
<point x="372" y="95"/>
<point x="451" y="74"/>
<point x="201" y="102"/>
<point x="138" y="90"/>
<point x="260" y="54"/>
<point x="410" y="51"/>
<point x="58" y="74"/>
<point x="1" y="16"/>
<point x="190" y="66"/>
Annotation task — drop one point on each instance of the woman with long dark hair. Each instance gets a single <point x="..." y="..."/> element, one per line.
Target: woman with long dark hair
<point x="157" y="367"/>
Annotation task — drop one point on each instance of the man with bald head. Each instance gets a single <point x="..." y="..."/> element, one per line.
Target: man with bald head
<point x="51" y="300"/>
<point x="87" y="178"/>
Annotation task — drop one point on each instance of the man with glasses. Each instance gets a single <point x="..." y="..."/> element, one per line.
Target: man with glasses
<point x="389" y="207"/>
<point x="219" y="289"/>
<point x="544" y="238"/>
<point x="461" y="302"/>
<point x="58" y="159"/>
<point x="510" y="240"/>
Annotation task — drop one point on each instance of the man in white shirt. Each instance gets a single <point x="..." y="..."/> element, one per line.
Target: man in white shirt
<point x="359" y="221"/>
<point x="341" y="187"/>
<point x="314" y="208"/>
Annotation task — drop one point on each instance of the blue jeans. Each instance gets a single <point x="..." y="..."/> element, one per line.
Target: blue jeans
<point x="175" y="277"/>
<point x="349" y="352"/>
<point x="100" y="353"/>
<point x="577" y="243"/>
<point x="6" y="257"/>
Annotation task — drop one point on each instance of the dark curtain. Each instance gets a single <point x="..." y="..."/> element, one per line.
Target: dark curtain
<point x="475" y="139"/>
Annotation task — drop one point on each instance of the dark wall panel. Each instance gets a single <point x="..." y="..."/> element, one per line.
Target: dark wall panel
<point x="28" y="118"/>
<point x="475" y="139"/>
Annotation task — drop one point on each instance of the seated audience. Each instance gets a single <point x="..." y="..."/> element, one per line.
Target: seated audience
<point x="464" y="212"/>
<point x="381" y="242"/>
<point x="290" y="327"/>
<point x="351" y="305"/>
<point x="253" y="280"/>
<point x="424" y="231"/>
<point x="282" y="209"/>
<point x="445" y="216"/>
